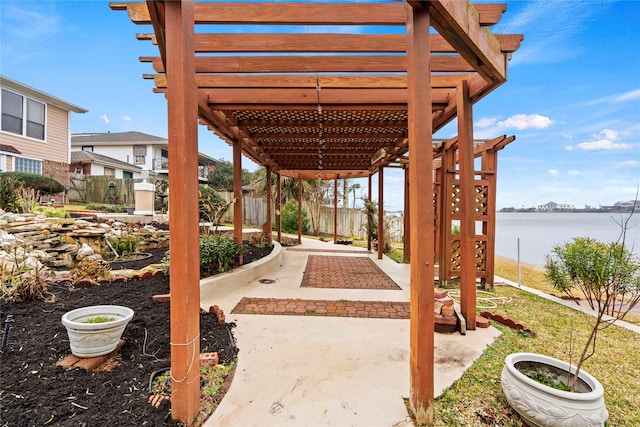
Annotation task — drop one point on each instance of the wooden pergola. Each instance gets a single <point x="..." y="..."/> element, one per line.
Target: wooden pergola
<point x="328" y="91"/>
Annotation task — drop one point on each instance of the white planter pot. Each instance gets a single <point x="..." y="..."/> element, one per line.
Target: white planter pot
<point x="95" y="339"/>
<point x="540" y="405"/>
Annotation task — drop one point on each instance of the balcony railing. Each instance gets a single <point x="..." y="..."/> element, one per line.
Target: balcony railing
<point x="162" y="163"/>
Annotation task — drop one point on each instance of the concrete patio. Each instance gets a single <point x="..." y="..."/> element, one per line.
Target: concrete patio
<point x="313" y="370"/>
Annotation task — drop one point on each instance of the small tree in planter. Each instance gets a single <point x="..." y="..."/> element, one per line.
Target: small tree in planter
<point x="607" y="274"/>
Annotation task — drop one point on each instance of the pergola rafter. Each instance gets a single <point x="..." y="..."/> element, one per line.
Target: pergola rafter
<point x="312" y="102"/>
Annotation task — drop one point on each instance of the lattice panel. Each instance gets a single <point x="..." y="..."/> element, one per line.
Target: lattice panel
<point x="327" y="115"/>
<point x="456" y="199"/>
<point x="455" y="260"/>
<point x="482" y="199"/>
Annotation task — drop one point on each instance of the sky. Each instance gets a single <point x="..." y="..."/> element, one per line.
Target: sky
<point x="572" y="98"/>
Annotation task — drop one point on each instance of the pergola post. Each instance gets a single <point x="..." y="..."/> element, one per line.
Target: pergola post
<point x="237" y="191"/>
<point x="182" y="103"/>
<point x="299" y="210"/>
<point x="406" y="250"/>
<point x="335" y="211"/>
<point x="380" y="212"/>
<point x="279" y="208"/>
<point x="421" y="211"/>
<point x="445" y="174"/>
<point x="369" y="191"/>
<point x="267" y="225"/>
<point x="467" y="206"/>
<point x="490" y="164"/>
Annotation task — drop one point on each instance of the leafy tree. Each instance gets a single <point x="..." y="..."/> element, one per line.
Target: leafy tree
<point x="290" y="218"/>
<point x="222" y="177"/>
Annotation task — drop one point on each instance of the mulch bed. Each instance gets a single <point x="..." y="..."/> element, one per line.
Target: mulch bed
<point x="34" y="391"/>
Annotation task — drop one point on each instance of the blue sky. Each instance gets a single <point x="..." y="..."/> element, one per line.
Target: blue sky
<point x="572" y="98"/>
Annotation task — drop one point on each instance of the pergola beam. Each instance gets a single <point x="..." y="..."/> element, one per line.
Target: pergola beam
<point x="316" y="64"/>
<point x="320" y="42"/>
<point x="292" y="14"/>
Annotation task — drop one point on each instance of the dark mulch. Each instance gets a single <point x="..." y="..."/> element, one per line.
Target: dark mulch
<point x="34" y="391"/>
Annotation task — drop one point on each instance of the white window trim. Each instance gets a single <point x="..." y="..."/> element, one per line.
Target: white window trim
<point x="23" y="134"/>
<point x="3" y="162"/>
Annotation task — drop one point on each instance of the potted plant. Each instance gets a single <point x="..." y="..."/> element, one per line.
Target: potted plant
<point x="95" y="330"/>
<point x="608" y="276"/>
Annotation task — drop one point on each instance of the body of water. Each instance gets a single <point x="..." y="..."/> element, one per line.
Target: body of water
<point x="539" y="232"/>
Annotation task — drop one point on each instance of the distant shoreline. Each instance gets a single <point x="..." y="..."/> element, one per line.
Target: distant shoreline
<point x="514" y="261"/>
<point x="534" y="210"/>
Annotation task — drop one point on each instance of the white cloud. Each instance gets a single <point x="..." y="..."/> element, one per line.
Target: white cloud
<point x="573" y="172"/>
<point x="628" y="164"/>
<point x="106" y="119"/>
<point x="603" y="144"/>
<point x="606" y="141"/>
<point x="553" y="172"/>
<point x="127" y="119"/>
<point x="526" y="121"/>
<point x="568" y="147"/>
<point x="634" y="94"/>
<point x="486" y="122"/>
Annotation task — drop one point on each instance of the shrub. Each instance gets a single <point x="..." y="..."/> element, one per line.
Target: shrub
<point x="51" y="212"/>
<point x="124" y="245"/>
<point x="106" y="208"/>
<point x="290" y="218"/>
<point x="9" y="200"/>
<point x="41" y="183"/>
<point x="218" y="254"/>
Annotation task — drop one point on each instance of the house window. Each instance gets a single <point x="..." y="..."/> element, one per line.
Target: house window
<point x="127" y="174"/>
<point x="88" y="148"/>
<point x="139" y="154"/>
<point x="109" y="172"/>
<point x="28" y="165"/>
<point x="15" y="108"/>
<point x="3" y="163"/>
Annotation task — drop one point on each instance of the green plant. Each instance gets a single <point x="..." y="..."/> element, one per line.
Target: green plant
<point x="213" y="377"/>
<point x="550" y="380"/>
<point x="218" y="254"/>
<point x="607" y="274"/>
<point x="8" y="196"/>
<point x="106" y="208"/>
<point x="124" y="245"/>
<point x="42" y="184"/>
<point x="51" y="212"/>
<point x="290" y="218"/>
<point x="100" y="319"/>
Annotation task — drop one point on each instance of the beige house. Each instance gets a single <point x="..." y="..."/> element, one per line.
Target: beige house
<point x="35" y="135"/>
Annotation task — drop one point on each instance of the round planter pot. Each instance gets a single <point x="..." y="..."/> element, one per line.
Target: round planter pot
<point x="95" y="339"/>
<point x="544" y="406"/>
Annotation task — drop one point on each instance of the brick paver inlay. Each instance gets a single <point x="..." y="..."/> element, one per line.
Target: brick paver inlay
<point x="340" y="272"/>
<point x="329" y="308"/>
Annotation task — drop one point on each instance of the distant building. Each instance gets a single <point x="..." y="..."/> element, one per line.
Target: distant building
<point x="87" y="163"/>
<point x="147" y="152"/>
<point x="553" y="206"/>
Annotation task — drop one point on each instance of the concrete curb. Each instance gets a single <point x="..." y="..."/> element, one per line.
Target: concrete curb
<point x="211" y="287"/>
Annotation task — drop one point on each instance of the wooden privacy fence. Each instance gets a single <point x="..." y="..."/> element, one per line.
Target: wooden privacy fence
<point x="351" y="222"/>
<point x="101" y="189"/>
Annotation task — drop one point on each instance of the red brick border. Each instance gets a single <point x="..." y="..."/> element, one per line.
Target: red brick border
<point x="328" y="308"/>
<point x="335" y="251"/>
<point x="345" y="272"/>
